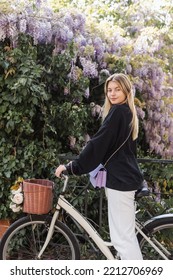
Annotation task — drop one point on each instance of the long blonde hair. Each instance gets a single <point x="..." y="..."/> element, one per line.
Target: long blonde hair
<point x="127" y="89"/>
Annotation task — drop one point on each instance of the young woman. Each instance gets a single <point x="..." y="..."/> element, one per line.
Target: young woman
<point x="123" y="174"/>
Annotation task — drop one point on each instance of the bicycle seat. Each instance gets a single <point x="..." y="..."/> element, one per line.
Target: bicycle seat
<point x="143" y="190"/>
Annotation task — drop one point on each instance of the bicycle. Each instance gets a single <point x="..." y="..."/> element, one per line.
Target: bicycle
<point x="38" y="237"/>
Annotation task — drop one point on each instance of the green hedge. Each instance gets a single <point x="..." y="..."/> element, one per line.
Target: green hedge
<point x="36" y="116"/>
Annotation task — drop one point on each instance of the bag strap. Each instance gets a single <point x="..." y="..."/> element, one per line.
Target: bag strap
<point x="118" y="148"/>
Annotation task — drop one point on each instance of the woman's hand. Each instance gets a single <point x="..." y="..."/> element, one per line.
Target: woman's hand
<point x="59" y="170"/>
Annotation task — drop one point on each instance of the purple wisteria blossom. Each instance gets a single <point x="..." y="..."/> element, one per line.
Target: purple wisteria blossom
<point x="3" y="27"/>
<point x="158" y="124"/>
<point x="89" y="68"/>
<point x="75" y="74"/>
<point x="8" y="28"/>
<point x="116" y="43"/>
<point x="140" y="113"/>
<point x="22" y="24"/>
<point x="99" y="48"/>
<point x="79" y="22"/>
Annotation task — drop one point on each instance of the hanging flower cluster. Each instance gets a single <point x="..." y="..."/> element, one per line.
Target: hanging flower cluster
<point x="159" y="124"/>
<point x="16" y="195"/>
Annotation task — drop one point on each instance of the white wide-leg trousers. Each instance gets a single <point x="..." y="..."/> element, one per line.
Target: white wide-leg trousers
<point x="121" y="217"/>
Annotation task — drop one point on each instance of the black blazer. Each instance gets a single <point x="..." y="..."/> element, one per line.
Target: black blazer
<point x="122" y="170"/>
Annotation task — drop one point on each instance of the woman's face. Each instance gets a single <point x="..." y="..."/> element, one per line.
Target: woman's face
<point x="115" y="94"/>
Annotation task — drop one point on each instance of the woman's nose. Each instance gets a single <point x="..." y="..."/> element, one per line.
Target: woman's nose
<point x="114" y="92"/>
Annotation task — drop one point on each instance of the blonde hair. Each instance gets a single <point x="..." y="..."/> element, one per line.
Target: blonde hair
<point x="126" y="86"/>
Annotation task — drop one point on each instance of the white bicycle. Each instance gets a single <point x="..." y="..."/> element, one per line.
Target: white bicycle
<point x="46" y="237"/>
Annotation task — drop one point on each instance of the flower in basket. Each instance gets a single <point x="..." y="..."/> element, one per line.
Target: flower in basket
<point x="16" y="195"/>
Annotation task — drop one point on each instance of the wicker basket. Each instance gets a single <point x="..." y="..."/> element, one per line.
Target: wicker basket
<point x="38" y="196"/>
<point x="4" y="225"/>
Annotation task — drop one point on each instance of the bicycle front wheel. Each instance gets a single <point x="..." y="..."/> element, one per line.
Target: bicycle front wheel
<point x="160" y="232"/>
<point x="25" y="238"/>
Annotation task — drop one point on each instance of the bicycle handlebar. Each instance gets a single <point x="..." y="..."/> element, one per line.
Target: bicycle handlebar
<point x="65" y="177"/>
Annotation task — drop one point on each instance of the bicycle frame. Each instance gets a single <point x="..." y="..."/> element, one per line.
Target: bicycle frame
<point x="137" y="226"/>
<point x="92" y="232"/>
<point x="64" y="204"/>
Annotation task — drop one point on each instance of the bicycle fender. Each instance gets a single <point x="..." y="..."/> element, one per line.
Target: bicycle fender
<point x="162" y="216"/>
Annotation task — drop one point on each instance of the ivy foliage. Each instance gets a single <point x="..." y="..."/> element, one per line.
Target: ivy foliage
<point x="36" y="117"/>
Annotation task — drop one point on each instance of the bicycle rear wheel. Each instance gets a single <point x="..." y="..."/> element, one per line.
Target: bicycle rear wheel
<point x="25" y="238"/>
<point x="160" y="231"/>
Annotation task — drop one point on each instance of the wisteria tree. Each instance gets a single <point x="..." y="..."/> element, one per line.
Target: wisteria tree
<point x="136" y="34"/>
<point x="54" y="60"/>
